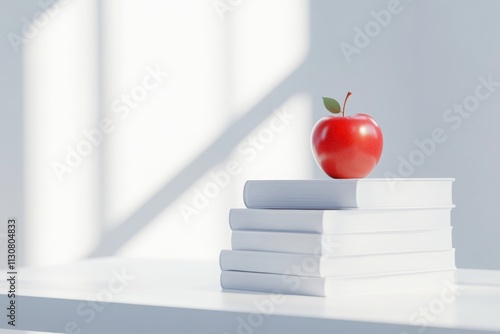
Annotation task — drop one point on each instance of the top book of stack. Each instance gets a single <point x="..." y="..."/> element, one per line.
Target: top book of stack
<point x="349" y="194"/>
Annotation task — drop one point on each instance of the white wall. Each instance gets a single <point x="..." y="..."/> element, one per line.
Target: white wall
<point x="12" y="163"/>
<point x="228" y="79"/>
<point x="457" y="45"/>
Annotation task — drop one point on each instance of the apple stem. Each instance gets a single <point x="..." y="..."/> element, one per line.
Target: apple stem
<point x="343" y="108"/>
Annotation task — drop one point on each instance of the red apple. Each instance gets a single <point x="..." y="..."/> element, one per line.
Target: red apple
<point x="346" y="147"/>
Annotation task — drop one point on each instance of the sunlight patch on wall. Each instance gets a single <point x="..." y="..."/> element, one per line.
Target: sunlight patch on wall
<point x="196" y="225"/>
<point x="270" y="40"/>
<point x="60" y="106"/>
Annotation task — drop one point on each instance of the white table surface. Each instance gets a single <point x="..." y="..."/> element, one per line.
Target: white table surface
<point x="185" y="297"/>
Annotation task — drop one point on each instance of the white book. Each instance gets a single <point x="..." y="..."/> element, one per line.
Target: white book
<point x="338" y="221"/>
<point x="343" y="244"/>
<point x="337" y="286"/>
<point x="335" y="266"/>
<point x="348" y="193"/>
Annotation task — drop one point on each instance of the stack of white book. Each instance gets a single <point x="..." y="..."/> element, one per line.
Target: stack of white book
<point x="337" y="237"/>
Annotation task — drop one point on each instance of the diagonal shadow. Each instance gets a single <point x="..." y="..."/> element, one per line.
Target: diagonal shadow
<point x="113" y="239"/>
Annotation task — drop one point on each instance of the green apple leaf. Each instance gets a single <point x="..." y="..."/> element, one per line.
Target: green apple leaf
<point x="332" y="105"/>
